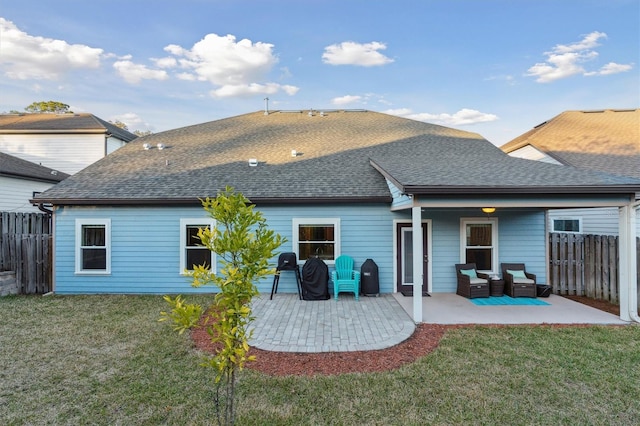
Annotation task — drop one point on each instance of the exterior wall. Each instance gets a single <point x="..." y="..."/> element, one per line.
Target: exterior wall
<point x="599" y="221"/>
<point x="399" y="199"/>
<point x="67" y="153"/>
<point x="530" y="153"/>
<point x="145" y="245"/>
<point x="16" y="193"/>
<point x="521" y="238"/>
<point x="113" y="144"/>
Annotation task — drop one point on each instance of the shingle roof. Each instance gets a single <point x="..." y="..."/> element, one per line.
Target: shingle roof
<point x="335" y="154"/>
<point x="605" y="140"/>
<point x="60" y="123"/>
<point x="19" y="168"/>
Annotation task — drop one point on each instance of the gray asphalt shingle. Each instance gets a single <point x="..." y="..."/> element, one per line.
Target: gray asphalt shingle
<point x="334" y="159"/>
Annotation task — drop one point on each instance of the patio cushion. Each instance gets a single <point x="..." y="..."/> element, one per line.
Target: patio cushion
<point x="478" y="281"/>
<point x="523" y="281"/>
<point x="516" y="274"/>
<point x="470" y="272"/>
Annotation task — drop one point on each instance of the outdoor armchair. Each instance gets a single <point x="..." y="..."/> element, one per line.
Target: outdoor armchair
<point x="471" y="283"/>
<point x="517" y="281"/>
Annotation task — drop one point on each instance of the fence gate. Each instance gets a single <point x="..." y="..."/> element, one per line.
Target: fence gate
<point x="26" y="249"/>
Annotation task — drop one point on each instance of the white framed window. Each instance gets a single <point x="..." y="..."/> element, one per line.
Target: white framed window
<point x="567" y="224"/>
<point x="192" y="252"/>
<point x="479" y="243"/>
<point x="93" y="246"/>
<point x="316" y="237"/>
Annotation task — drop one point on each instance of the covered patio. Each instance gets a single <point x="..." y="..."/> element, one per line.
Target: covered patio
<point x="449" y="308"/>
<point x="288" y="324"/>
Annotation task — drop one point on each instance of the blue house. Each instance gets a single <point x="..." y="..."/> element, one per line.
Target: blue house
<point x="407" y="194"/>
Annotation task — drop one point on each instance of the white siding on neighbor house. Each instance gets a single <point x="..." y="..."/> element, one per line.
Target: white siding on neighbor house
<point x="113" y="144"/>
<point x="16" y="193"/>
<point x="67" y="153"/>
<point x="597" y="221"/>
<point x="530" y="153"/>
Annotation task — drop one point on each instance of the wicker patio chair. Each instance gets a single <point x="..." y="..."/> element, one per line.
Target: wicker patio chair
<point x="471" y="283"/>
<point x="517" y="281"/>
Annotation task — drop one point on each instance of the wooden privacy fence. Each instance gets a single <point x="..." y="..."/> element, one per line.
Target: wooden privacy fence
<point x="26" y="249"/>
<point x="585" y="265"/>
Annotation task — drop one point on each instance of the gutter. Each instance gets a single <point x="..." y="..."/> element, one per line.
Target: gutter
<point x="196" y="201"/>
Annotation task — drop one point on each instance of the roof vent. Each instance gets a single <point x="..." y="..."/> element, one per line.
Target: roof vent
<point x="294" y="153"/>
<point x="253" y="162"/>
<point x="147" y="146"/>
<point x="160" y="146"/>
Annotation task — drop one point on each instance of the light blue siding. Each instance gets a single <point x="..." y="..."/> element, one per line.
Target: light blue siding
<point x="521" y="238"/>
<point x="399" y="199"/>
<point x="145" y="244"/>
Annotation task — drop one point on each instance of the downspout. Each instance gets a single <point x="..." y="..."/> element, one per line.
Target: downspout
<point x="43" y="209"/>
<point x="49" y="213"/>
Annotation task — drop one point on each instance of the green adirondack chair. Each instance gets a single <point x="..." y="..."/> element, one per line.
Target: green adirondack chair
<point x="345" y="278"/>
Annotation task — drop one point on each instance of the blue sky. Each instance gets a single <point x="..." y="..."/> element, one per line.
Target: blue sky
<point x="495" y="67"/>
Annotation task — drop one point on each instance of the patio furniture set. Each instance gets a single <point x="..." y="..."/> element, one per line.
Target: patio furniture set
<point x="515" y="282"/>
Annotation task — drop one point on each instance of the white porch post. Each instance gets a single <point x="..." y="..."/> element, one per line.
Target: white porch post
<point x="628" y="264"/>
<point x="416" y="223"/>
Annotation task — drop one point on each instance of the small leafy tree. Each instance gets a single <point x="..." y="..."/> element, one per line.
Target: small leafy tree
<point x="243" y="245"/>
<point x="48" y="106"/>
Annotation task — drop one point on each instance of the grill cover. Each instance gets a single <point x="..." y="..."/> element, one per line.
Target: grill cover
<point x="369" y="283"/>
<point x="315" y="280"/>
<point x="287" y="262"/>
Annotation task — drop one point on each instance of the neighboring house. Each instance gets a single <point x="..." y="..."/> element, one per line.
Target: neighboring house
<point x="606" y="141"/>
<point x="21" y="180"/>
<point x="65" y="142"/>
<point x="404" y="193"/>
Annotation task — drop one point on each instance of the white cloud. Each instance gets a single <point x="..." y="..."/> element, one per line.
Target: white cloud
<point x="344" y="100"/>
<point x="131" y="119"/>
<point x="610" y="68"/>
<point x="167" y="62"/>
<point x="351" y="53"/>
<point x="463" y="117"/>
<point x="565" y="61"/>
<point x="240" y="90"/>
<point x="134" y="73"/>
<point x="186" y="76"/>
<point x="26" y="57"/>
<point x="236" y="68"/>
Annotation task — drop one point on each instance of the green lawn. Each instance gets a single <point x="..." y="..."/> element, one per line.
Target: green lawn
<point x="106" y="360"/>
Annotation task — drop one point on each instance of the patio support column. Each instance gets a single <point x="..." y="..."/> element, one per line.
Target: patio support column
<point x="628" y="264"/>
<point x="416" y="223"/>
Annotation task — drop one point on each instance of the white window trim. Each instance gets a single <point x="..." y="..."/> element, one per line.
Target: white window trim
<point x="183" y="241"/>
<point x="579" y="219"/>
<point x="107" y="238"/>
<point x="335" y="221"/>
<point x="494" y="238"/>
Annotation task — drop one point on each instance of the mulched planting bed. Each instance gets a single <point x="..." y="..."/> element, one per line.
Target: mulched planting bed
<point x="423" y="341"/>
